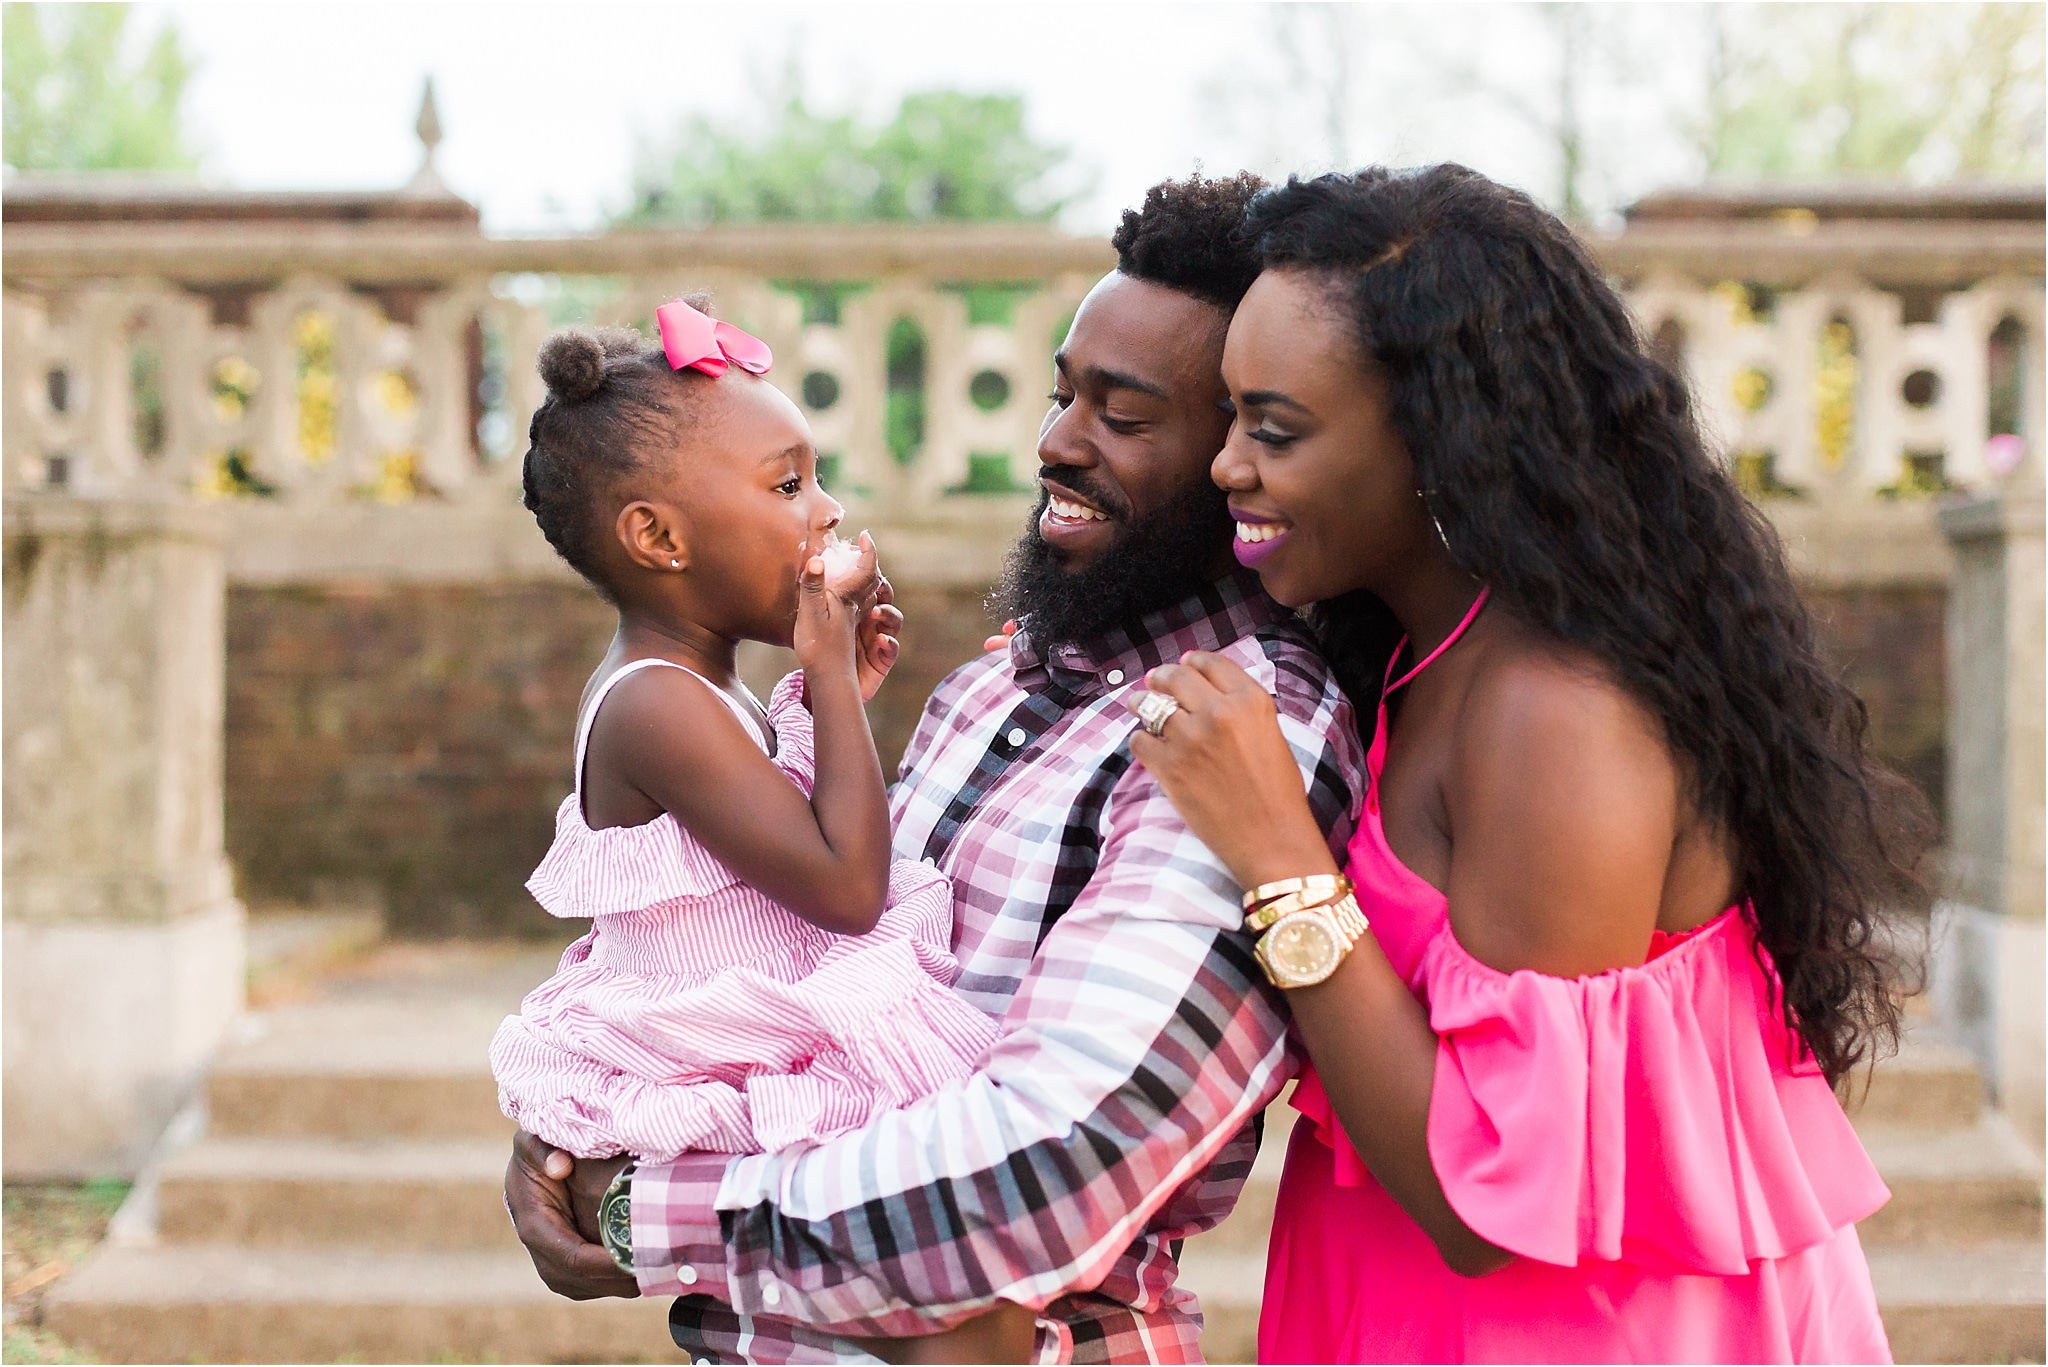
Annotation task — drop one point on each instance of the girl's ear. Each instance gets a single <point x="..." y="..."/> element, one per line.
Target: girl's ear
<point x="652" y="538"/>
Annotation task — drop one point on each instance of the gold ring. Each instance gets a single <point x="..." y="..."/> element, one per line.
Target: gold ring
<point x="1155" y="710"/>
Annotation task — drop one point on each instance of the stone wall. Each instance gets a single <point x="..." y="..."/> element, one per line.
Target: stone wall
<point x="405" y="745"/>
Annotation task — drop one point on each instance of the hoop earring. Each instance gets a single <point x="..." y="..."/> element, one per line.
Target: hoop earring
<point x="1430" y="509"/>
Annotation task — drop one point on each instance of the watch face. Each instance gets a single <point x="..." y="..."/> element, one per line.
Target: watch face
<point x="616" y="1216"/>
<point x="1301" y="949"/>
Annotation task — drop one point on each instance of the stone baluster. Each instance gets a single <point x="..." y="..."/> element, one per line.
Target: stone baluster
<point x="29" y="425"/>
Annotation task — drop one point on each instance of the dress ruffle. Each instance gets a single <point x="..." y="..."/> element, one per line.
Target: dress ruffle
<point x="1660" y="1115"/>
<point x="623" y="869"/>
<point x="599" y="1061"/>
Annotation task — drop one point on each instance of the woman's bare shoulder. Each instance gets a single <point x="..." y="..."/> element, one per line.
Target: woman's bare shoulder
<point x="1563" y="799"/>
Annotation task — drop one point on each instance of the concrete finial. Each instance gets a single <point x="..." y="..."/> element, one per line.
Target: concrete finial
<point x="427" y="180"/>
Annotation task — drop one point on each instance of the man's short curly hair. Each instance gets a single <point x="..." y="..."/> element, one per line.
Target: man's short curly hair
<point x="1188" y="236"/>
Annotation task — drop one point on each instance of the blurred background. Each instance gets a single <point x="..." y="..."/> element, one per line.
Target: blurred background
<point x="291" y="677"/>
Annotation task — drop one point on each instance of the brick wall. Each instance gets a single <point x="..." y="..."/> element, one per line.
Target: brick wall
<point x="407" y="745"/>
<point x="1890" y="643"/>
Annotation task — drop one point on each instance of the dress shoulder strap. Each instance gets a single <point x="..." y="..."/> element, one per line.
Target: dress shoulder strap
<point x="1471" y="614"/>
<point x="589" y="717"/>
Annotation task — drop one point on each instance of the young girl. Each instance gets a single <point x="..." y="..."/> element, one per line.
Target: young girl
<point x="757" y="972"/>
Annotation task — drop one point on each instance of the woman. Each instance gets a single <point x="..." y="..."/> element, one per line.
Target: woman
<point x="1623" y="853"/>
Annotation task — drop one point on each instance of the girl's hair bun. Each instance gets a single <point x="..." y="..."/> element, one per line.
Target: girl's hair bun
<point x="621" y="341"/>
<point x="572" y="364"/>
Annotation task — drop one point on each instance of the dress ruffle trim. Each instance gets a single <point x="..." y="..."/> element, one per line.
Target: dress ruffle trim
<point x="1547" y="1088"/>
<point x="600" y="1062"/>
<point x="623" y="869"/>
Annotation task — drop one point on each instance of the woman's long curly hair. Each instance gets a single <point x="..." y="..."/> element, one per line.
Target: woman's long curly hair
<point x="1567" y="470"/>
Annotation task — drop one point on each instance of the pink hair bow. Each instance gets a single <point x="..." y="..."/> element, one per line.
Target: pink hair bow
<point x="695" y="339"/>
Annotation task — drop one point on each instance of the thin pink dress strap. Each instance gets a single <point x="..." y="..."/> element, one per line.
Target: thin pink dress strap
<point x="1471" y="615"/>
<point x="589" y="719"/>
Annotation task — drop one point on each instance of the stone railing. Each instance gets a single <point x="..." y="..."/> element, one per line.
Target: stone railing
<point x="347" y="368"/>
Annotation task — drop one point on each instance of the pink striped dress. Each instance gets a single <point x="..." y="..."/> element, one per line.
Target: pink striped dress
<point x="698" y="1014"/>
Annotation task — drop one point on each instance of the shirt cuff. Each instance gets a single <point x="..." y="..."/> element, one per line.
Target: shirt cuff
<point x="677" y="1247"/>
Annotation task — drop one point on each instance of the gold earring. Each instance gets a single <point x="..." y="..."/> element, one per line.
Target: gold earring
<point x="1430" y="509"/>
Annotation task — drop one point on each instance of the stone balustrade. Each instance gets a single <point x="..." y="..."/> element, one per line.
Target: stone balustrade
<point x="1840" y="365"/>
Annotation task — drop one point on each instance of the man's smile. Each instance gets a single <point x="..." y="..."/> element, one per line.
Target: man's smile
<point x="1070" y="522"/>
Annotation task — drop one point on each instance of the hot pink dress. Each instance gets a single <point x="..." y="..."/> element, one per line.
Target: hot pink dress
<point x="700" y="1014"/>
<point x="1676" y="1186"/>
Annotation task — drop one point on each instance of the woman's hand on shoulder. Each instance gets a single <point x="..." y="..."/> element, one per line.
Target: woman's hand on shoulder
<point x="1223" y="762"/>
<point x="1563" y="804"/>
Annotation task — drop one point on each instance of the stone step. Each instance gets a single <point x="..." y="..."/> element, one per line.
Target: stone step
<point x="1954" y="1187"/>
<point x="1979" y="1304"/>
<point x="360" y="1070"/>
<point x="217" y="1304"/>
<point x="1928" y="1085"/>
<point x="1976" y="1304"/>
<point x="392" y="1194"/>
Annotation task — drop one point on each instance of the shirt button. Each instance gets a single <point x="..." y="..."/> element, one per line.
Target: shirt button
<point x="1115" y="676"/>
<point x="687" y="1275"/>
<point x="931" y="859"/>
<point x="771" y="1294"/>
<point x="1016" y="736"/>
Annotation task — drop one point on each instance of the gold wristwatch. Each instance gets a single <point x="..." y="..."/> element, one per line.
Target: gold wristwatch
<point x="1304" y="947"/>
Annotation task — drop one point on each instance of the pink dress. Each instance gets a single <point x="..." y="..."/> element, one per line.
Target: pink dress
<point x="699" y="1014"/>
<point x="1677" y="1187"/>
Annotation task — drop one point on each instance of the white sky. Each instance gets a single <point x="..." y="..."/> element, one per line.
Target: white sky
<point x="541" y="104"/>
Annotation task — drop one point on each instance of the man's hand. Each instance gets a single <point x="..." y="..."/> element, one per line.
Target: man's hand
<point x="880" y="640"/>
<point x="545" y="1192"/>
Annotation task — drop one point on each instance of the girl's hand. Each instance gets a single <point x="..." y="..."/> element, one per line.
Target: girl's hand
<point x="832" y="601"/>
<point x="880" y="640"/>
<point x="1224" y="764"/>
<point x="1001" y="640"/>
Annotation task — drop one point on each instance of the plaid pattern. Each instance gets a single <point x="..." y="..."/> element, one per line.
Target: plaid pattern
<point x="1116" y="1113"/>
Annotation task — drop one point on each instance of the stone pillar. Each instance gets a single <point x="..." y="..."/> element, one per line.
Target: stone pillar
<point x="124" y="954"/>
<point x="1988" y="971"/>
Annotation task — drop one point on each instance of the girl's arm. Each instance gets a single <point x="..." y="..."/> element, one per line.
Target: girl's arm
<point x="1562" y="808"/>
<point x="825" y="858"/>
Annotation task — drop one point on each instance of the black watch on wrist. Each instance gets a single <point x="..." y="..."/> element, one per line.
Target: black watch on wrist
<point x="615" y="1218"/>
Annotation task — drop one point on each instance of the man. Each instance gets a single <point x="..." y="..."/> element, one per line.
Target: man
<point x="1116" y="1113"/>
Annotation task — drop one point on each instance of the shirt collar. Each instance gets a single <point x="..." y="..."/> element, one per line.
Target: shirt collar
<point x="1217" y="614"/>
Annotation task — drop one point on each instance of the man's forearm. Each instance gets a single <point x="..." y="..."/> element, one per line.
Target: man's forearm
<point x="1025" y="1183"/>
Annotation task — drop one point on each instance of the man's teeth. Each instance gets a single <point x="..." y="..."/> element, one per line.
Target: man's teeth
<point x="1078" y="512"/>
<point x="1259" y="531"/>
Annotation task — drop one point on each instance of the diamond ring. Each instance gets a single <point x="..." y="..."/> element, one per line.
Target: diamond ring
<point x="1155" y="710"/>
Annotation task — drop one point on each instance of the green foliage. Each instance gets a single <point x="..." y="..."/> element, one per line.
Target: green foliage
<point x="944" y="156"/>
<point x="1922" y="91"/>
<point x="74" y="96"/>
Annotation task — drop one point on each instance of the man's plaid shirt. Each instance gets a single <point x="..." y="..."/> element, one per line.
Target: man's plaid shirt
<point x="1115" y="1114"/>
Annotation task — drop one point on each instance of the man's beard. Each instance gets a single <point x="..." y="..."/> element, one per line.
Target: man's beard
<point x="1148" y="565"/>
